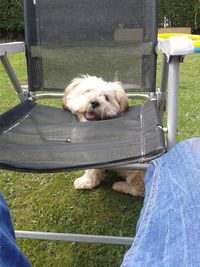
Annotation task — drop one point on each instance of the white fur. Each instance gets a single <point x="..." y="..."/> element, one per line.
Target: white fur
<point x="92" y="98"/>
<point x="87" y="89"/>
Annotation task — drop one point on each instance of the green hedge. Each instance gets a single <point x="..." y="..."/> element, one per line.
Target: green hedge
<point x="11" y="17"/>
<point x="180" y="13"/>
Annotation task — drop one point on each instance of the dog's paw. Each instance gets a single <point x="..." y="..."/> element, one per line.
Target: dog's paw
<point x="85" y="183"/>
<point x="126" y="188"/>
<point x="122" y="187"/>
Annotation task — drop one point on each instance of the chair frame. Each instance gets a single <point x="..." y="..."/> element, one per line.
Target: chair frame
<point x="166" y="96"/>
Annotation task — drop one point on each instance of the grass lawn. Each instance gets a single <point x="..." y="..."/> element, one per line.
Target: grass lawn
<point x="48" y="202"/>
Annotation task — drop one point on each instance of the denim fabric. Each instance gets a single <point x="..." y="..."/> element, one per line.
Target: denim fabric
<point x="168" y="231"/>
<point x="10" y="254"/>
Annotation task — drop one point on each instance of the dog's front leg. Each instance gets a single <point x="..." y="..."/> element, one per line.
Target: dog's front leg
<point x="91" y="179"/>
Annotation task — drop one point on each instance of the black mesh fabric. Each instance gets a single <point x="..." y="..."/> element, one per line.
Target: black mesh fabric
<point x="40" y="138"/>
<point x="113" y="39"/>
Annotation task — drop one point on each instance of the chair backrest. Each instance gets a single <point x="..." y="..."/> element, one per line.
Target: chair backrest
<point x="113" y="39"/>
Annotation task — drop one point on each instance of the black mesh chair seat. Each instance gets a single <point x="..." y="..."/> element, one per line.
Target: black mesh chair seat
<point x="40" y="138"/>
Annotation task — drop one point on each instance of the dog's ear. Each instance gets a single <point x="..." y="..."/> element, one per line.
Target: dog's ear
<point x="121" y="96"/>
<point x="74" y="83"/>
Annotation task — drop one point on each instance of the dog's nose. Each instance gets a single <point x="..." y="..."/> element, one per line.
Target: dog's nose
<point x="95" y="104"/>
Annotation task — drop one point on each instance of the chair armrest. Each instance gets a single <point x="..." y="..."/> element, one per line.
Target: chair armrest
<point x="11" y="48"/>
<point x="176" y="46"/>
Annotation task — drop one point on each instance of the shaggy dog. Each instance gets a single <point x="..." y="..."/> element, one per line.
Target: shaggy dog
<point x="91" y="98"/>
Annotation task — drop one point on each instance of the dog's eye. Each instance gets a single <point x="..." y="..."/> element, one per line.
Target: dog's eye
<point x="107" y="98"/>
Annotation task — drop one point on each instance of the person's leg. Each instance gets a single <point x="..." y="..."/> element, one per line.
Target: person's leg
<point x="168" y="231"/>
<point x="10" y="254"/>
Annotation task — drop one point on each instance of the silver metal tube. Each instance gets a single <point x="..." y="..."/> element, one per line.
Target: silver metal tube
<point x="47" y="96"/>
<point x="172" y="103"/>
<point x="13" y="77"/>
<point x="161" y="97"/>
<point x="116" y="240"/>
<point x="164" y="74"/>
<point x="59" y="95"/>
<point x="139" y="96"/>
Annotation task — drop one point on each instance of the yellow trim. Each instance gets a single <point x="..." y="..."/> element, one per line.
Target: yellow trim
<point x="191" y="36"/>
<point x="196" y="43"/>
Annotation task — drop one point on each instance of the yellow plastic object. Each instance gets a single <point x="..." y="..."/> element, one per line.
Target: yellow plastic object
<point x="196" y="43"/>
<point x="194" y="37"/>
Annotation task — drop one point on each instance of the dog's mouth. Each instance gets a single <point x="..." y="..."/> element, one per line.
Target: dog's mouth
<point x="90" y="116"/>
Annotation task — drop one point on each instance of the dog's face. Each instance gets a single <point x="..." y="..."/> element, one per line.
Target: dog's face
<point x="91" y="98"/>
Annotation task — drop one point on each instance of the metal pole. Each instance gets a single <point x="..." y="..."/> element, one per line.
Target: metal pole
<point x="172" y="104"/>
<point x="164" y="74"/>
<point x="163" y="85"/>
<point x="115" y="240"/>
<point x="13" y="77"/>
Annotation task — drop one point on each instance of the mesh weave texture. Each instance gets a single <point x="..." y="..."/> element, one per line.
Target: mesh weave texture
<point x="113" y="39"/>
<point x="39" y="138"/>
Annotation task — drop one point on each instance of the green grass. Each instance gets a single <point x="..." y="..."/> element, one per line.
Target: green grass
<point x="48" y="202"/>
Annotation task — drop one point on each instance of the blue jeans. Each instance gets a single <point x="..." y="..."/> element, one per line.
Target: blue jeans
<point x="168" y="231"/>
<point x="10" y="254"/>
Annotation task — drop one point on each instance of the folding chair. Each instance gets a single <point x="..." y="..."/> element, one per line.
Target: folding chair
<point x="115" y="40"/>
